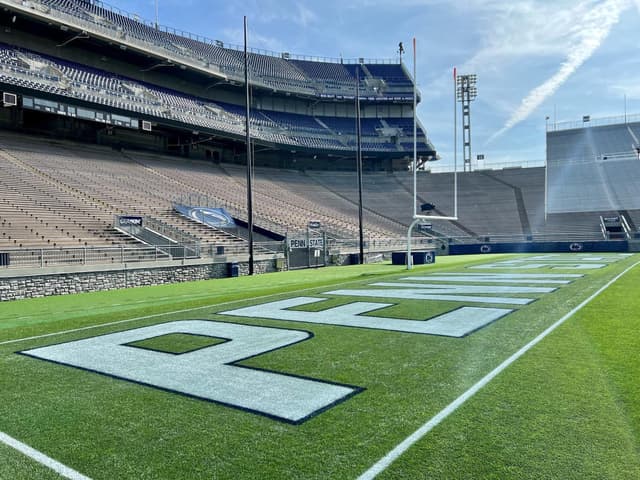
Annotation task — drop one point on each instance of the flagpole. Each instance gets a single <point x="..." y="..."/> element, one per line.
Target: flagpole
<point x="359" y="165"/>
<point x="455" y="145"/>
<point x="249" y="158"/>
<point x="415" y="132"/>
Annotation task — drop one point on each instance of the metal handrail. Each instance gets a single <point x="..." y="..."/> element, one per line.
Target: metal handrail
<point x="593" y="122"/>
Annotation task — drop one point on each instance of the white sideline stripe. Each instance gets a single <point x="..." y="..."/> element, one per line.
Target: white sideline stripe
<point x="408" y="442"/>
<point x="41" y="458"/>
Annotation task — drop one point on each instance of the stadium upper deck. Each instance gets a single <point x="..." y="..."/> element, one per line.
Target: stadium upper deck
<point x="70" y="57"/>
<point x="382" y="80"/>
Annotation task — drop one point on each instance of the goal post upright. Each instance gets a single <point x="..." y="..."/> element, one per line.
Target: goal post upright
<point x="419" y="218"/>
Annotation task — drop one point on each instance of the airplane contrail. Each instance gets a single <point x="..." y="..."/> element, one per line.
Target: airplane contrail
<point x="595" y="30"/>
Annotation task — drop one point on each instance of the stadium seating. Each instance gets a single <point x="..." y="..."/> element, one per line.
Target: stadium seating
<point x="594" y="169"/>
<point x="393" y="74"/>
<point x="66" y="194"/>
<point x="271" y="70"/>
<point x="589" y="144"/>
<point x="530" y="182"/>
<point x="324" y="70"/>
<point x="36" y="210"/>
<point x="89" y="185"/>
<point x="45" y="74"/>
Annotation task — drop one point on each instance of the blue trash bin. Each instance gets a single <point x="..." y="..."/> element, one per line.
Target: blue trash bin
<point x="234" y="269"/>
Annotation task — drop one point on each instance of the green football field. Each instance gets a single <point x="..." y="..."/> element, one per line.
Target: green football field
<point x="492" y="366"/>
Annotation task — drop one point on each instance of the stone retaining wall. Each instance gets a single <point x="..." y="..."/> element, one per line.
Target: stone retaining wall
<point x="46" y="284"/>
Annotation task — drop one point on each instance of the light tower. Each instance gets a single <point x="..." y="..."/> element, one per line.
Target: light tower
<point x="467" y="92"/>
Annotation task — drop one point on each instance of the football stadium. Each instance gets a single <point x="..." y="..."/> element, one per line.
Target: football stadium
<point x="222" y="262"/>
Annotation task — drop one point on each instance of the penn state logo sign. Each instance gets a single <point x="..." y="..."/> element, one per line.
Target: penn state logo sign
<point x="575" y="247"/>
<point x="485" y="249"/>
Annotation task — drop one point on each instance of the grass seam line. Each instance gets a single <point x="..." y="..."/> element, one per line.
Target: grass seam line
<point x="382" y="464"/>
<point x="41" y="458"/>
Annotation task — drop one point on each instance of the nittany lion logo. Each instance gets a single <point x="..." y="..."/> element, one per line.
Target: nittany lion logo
<point x="485" y="249"/>
<point x="575" y="247"/>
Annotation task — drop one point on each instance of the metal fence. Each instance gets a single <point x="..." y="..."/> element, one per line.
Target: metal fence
<point x="51" y="257"/>
<point x="381" y="245"/>
<point x="78" y="256"/>
<point x="57" y="257"/>
<point x="587" y="121"/>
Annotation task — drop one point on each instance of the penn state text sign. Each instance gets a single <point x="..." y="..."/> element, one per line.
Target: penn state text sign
<point x="302" y="242"/>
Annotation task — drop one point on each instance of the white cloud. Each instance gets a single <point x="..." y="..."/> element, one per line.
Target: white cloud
<point x="305" y="16"/>
<point x="503" y="36"/>
<point x="584" y="37"/>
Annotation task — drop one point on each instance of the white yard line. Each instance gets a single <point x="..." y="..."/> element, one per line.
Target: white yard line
<point x="382" y="464"/>
<point x="41" y="458"/>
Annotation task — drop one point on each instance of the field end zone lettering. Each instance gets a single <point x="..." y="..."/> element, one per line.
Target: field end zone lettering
<point x="461" y="289"/>
<point x="559" y="257"/>
<point x="457" y="323"/>
<point x="511" y="278"/>
<point x="520" y="265"/>
<point x="207" y="373"/>
<point x="421" y="294"/>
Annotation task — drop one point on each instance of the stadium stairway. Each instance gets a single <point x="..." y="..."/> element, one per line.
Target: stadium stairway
<point x="631" y="219"/>
<point x="519" y="198"/>
<point x="206" y="234"/>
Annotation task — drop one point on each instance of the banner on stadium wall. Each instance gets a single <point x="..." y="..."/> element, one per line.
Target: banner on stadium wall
<point x="539" y="247"/>
<point x="214" y="217"/>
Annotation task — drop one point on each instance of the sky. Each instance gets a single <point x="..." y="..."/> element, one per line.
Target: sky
<point x="534" y="59"/>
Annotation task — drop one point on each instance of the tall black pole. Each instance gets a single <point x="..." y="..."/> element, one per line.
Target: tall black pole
<point x="359" y="164"/>
<point x="249" y="157"/>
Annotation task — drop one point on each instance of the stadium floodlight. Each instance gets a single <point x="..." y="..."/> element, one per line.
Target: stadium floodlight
<point x="417" y="219"/>
<point x="467" y="92"/>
